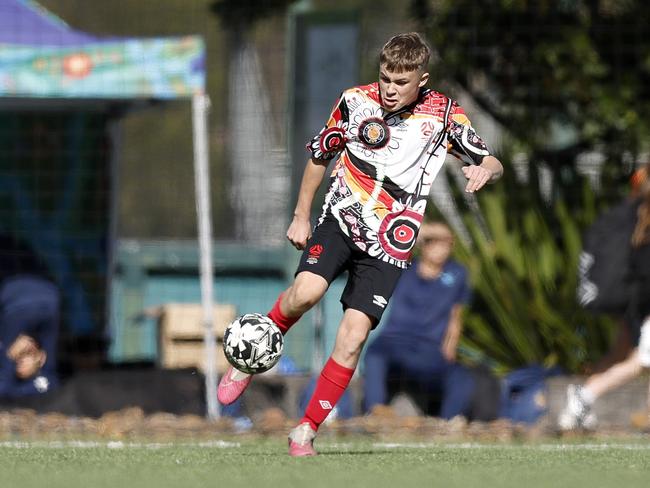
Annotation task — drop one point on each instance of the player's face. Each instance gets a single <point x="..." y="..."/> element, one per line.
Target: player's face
<point x="397" y="90"/>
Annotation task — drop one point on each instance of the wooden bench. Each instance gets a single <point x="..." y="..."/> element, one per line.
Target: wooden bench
<point x="181" y="335"/>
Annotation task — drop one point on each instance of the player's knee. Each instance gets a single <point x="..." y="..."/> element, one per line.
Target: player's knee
<point x="302" y="297"/>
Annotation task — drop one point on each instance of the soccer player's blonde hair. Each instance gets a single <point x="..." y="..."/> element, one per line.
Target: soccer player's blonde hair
<point x="405" y="52"/>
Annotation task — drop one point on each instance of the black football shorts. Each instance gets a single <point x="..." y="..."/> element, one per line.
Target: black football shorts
<point x="371" y="281"/>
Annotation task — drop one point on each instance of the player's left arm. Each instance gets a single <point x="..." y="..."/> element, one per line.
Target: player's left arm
<point x="464" y="143"/>
<point x="489" y="171"/>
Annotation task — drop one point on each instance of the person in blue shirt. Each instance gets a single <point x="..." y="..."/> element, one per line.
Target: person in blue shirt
<point x="29" y="322"/>
<point x="419" y="339"/>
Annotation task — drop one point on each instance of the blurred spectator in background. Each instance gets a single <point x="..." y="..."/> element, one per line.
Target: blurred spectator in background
<point x="577" y="412"/>
<point x="419" y="340"/>
<point x="29" y="322"/>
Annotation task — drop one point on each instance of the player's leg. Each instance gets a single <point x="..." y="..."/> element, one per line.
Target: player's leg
<point x="333" y="381"/>
<point x="306" y="290"/>
<point x="619" y="374"/>
<point x="580" y="399"/>
<point x="321" y="262"/>
<point x="370" y="284"/>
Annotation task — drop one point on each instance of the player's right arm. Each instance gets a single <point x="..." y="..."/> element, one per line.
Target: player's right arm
<point x="329" y="142"/>
<point x="300" y="228"/>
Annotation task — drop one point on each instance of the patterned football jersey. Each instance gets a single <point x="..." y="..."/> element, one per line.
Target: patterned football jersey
<point x="386" y="164"/>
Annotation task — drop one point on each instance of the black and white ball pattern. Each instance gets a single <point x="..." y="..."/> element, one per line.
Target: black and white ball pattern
<point x="253" y="343"/>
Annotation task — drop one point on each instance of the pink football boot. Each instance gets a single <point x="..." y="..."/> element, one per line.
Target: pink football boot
<point x="232" y="385"/>
<point x="301" y="441"/>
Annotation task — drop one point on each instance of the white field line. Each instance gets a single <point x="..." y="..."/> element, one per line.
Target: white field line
<point x="116" y="444"/>
<point x="535" y="447"/>
<point x="379" y="446"/>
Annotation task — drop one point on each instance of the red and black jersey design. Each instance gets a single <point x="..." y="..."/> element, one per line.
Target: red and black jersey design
<point x="331" y="139"/>
<point x="386" y="164"/>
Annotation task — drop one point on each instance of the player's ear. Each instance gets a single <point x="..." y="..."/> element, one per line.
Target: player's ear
<point x="423" y="79"/>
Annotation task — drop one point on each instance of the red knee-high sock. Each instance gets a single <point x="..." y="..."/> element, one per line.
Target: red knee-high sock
<point x="283" y="322"/>
<point x="331" y="384"/>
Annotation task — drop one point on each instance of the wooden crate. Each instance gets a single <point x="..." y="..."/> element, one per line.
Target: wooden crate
<point x="181" y="335"/>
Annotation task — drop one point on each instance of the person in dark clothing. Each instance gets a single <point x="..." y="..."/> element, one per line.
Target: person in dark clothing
<point x="29" y="322"/>
<point x="420" y="337"/>
<point x="577" y="412"/>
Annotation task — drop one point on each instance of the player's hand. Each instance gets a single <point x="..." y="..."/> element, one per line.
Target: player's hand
<point x="299" y="232"/>
<point x="28" y="365"/>
<point x="478" y="176"/>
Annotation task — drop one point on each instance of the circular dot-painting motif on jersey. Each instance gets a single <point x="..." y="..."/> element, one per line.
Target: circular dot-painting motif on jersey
<point x="374" y="132"/>
<point x="397" y="233"/>
<point x="332" y="139"/>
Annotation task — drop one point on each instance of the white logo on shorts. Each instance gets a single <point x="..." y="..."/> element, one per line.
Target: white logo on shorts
<point x="379" y="301"/>
<point x="325" y="405"/>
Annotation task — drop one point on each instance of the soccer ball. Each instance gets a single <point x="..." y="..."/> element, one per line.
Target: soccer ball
<point x="252" y="343"/>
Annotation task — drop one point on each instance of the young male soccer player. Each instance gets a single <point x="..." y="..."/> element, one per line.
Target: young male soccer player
<point x="391" y="139"/>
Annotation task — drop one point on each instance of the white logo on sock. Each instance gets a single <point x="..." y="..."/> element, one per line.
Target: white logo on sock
<point x="325" y="405"/>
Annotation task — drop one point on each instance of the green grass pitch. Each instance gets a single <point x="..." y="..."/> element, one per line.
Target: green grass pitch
<point x="341" y="464"/>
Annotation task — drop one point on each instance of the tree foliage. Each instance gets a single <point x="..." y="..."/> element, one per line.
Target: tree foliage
<point x="563" y="77"/>
<point x="524" y="279"/>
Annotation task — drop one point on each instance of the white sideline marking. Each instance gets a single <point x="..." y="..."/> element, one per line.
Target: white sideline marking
<point x="115" y="444"/>
<point x="541" y="447"/>
<point x="471" y="445"/>
<point x="218" y="444"/>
